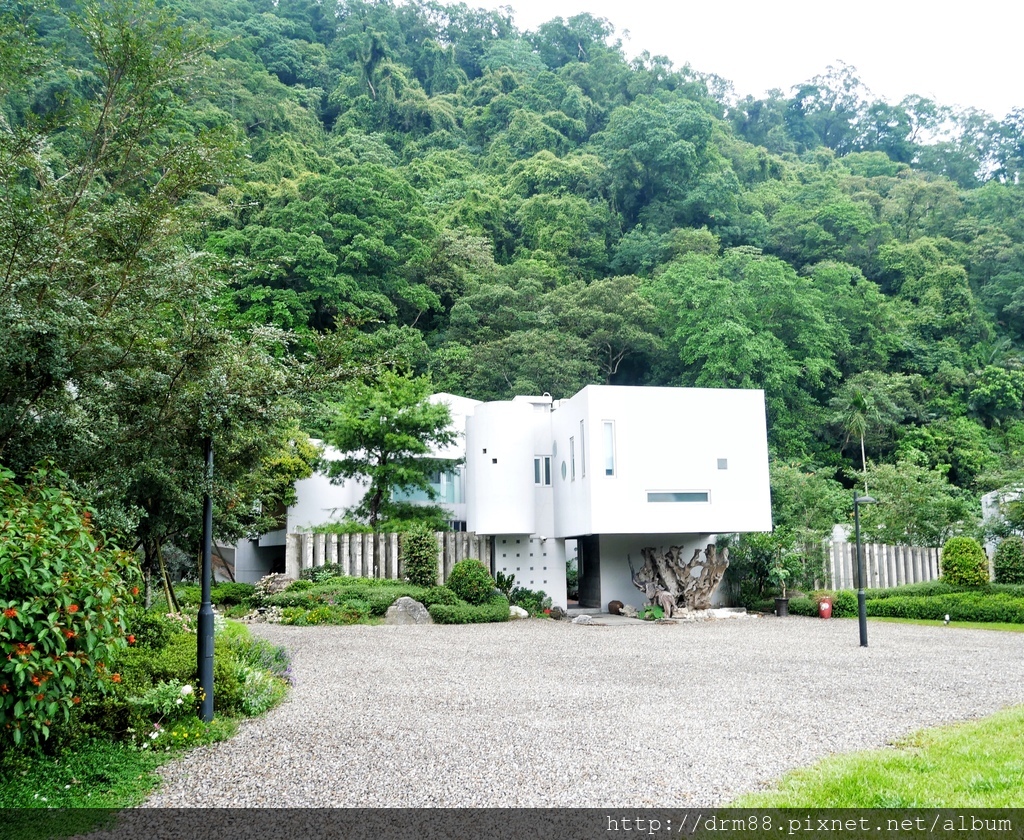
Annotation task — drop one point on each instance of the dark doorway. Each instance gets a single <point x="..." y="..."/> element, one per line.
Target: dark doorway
<point x="589" y="564"/>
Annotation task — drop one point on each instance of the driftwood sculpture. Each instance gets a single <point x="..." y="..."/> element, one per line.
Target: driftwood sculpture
<point x="673" y="584"/>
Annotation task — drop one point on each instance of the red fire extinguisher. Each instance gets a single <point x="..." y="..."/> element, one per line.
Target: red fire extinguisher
<point x="825" y="608"/>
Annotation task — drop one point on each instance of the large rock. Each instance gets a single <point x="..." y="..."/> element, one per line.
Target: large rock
<point x="515" y="613"/>
<point x="407" y="611"/>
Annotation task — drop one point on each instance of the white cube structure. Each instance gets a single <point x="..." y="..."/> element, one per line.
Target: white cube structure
<point x="615" y="469"/>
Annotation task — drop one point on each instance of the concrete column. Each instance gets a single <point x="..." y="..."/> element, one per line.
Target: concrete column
<point x="394" y="562"/>
<point x="319" y="543"/>
<point x="357" y="555"/>
<point x="307" y="551"/>
<point x="332" y="549"/>
<point x="345" y="554"/>
<point x="441" y="576"/>
<point x="293" y="555"/>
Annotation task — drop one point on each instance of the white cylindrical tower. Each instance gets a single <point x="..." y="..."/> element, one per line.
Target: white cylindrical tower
<point x="499" y="463"/>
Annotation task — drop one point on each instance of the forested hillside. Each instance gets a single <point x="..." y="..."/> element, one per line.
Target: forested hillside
<point x="337" y="185"/>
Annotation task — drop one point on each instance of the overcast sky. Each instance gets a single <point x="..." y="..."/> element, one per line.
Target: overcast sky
<point x="963" y="54"/>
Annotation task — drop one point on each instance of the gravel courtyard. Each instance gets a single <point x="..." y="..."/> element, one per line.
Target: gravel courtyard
<point x="551" y="714"/>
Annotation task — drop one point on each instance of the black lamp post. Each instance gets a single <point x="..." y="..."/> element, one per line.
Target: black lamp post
<point x="204" y="651"/>
<point x="862" y="609"/>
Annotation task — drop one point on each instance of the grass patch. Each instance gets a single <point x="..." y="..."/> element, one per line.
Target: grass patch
<point x="978" y="765"/>
<point x="959" y="625"/>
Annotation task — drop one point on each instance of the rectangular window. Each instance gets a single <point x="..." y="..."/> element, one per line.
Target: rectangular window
<point x="678" y="496"/>
<point x="609" y="447"/>
<point x="542" y="470"/>
<point x="572" y="458"/>
<point x="583" y="453"/>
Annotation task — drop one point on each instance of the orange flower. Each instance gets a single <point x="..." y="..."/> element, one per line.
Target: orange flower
<point x="73" y="608"/>
<point x="4" y="688"/>
<point x="76" y="700"/>
<point x="116" y="678"/>
<point x="10" y="613"/>
<point x="70" y="634"/>
<point x="131" y="638"/>
<point x="40" y="697"/>
<point x="35" y="680"/>
<point x="135" y="590"/>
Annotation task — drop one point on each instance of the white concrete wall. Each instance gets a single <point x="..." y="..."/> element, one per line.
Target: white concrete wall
<point x="536" y="563"/>
<point x="666" y="440"/>
<point x="499" y="479"/>
<point x="318" y="500"/>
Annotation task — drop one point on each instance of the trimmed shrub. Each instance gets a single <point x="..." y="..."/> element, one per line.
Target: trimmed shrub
<point x="439" y="595"/>
<point x="230" y="594"/>
<point x="959" y="606"/>
<point x="299" y="585"/>
<point x="803" y="606"/>
<point x="1009" y="561"/>
<point x="927" y="589"/>
<point x="494" y="610"/>
<point x="844" y="604"/>
<point x="419" y="556"/>
<point x="470" y="580"/>
<point x="964" y="563"/>
<point x="534" y="601"/>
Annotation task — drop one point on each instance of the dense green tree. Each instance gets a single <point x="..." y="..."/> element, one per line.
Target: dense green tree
<point x="389" y="433"/>
<point x="916" y="506"/>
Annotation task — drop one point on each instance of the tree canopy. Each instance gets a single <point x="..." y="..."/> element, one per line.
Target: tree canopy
<point x="223" y="216"/>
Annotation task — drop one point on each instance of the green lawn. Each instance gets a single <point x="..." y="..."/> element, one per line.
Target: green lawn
<point x="970" y="625"/>
<point x="978" y="764"/>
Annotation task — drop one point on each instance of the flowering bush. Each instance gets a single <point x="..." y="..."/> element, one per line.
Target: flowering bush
<point x="167" y="702"/>
<point x="64" y="592"/>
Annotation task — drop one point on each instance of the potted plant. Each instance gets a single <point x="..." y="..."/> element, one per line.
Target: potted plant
<point x="784" y="568"/>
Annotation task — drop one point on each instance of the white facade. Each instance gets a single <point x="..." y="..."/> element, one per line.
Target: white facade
<point x="636" y="467"/>
<point x="612" y="470"/>
<point x="622" y="461"/>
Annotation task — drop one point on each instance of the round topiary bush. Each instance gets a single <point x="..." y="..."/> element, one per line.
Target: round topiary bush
<point x="1009" y="561"/>
<point x="419" y="556"/>
<point x="471" y="581"/>
<point x="964" y="562"/>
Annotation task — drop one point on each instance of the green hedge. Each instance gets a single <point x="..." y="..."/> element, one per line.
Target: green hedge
<point x="496" y="609"/>
<point x="960" y="606"/>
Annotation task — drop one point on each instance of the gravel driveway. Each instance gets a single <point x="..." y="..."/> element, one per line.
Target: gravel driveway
<point x="551" y="714"/>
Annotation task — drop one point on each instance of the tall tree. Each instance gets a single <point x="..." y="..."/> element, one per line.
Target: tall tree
<point x="392" y="438"/>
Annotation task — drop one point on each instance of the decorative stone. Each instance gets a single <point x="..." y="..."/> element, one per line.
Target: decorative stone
<point x="515" y="613"/>
<point x="558" y="613"/>
<point x="628" y="610"/>
<point x="407" y="611"/>
<point x="583" y="619"/>
<point x="615" y="607"/>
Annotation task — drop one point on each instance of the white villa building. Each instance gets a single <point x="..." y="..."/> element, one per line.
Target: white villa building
<point x="607" y="472"/>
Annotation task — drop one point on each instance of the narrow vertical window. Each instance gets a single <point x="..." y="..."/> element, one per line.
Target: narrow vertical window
<point x="542" y="470"/>
<point x="572" y="458"/>
<point x="609" y="447"/>
<point x="583" y="453"/>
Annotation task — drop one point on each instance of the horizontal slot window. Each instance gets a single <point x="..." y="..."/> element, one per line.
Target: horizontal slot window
<point x="678" y="496"/>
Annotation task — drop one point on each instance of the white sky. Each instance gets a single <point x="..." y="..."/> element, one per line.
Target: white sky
<point x="957" y="53"/>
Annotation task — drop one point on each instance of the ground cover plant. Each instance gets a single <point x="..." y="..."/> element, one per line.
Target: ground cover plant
<point x="977" y="765"/>
<point x="120" y="730"/>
